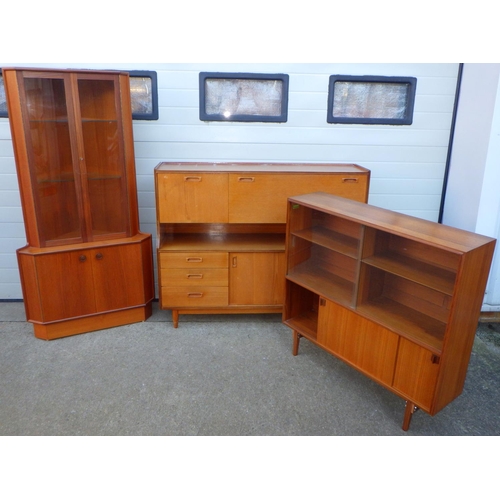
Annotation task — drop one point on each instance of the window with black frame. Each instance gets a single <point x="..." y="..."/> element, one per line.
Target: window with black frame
<point x="144" y="95"/>
<point x="371" y="99"/>
<point x="246" y="97"/>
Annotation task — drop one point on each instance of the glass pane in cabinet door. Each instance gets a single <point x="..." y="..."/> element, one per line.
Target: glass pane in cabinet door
<point x="103" y="157"/>
<point x="51" y="161"/>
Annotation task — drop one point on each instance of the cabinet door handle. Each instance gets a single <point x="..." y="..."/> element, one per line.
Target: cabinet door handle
<point x="82" y="258"/>
<point x="246" y="179"/>
<point x="195" y="276"/>
<point x="434" y="359"/>
<point x="194" y="259"/>
<point x="192" y="178"/>
<point x="235" y="262"/>
<point x="194" y="295"/>
<point x="99" y="256"/>
<point x="350" y="179"/>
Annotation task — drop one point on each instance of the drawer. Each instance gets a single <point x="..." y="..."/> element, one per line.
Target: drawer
<point x="195" y="297"/>
<point x="194" y="277"/>
<point x="193" y="260"/>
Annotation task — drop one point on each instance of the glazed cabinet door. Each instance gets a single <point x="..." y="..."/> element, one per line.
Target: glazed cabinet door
<point x="366" y="345"/>
<point x="256" y="278"/>
<point x="101" y="157"/>
<point x="42" y="121"/>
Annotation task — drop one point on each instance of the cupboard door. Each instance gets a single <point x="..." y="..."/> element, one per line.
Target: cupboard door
<point x="257" y="278"/>
<point x="416" y="373"/>
<point x="192" y="197"/>
<point x="49" y="142"/>
<point x="262" y="198"/>
<point x="102" y="158"/>
<point x="66" y="285"/>
<point x="363" y="343"/>
<point x="118" y="277"/>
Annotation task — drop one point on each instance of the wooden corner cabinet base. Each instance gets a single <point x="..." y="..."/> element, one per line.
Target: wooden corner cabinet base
<point x="395" y="297"/>
<point x="221" y="231"/>
<point x="75" y="289"/>
<point x="88" y="324"/>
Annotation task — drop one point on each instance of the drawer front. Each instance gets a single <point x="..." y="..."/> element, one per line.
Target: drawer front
<point x="261" y="198"/>
<point x="194" y="297"/>
<point x="193" y="260"/>
<point x="194" y="277"/>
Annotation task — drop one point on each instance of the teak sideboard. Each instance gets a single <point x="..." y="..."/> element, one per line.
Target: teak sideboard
<point x="221" y="230"/>
<point x="394" y="296"/>
<point x="86" y="265"/>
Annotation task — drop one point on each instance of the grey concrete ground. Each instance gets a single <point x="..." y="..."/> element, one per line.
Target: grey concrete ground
<point x="228" y="375"/>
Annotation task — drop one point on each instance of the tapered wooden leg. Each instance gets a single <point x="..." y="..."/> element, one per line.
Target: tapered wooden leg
<point x="175" y="317"/>
<point x="409" y="411"/>
<point x="296" y="339"/>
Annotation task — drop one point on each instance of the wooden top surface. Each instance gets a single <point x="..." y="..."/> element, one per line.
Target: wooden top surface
<point x="432" y="233"/>
<point x="216" y="167"/>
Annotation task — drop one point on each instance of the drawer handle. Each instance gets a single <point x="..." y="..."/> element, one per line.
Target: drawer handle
<point x="193" y="295"/>
<point x="195" y="276"/>
<point x="246" y="179"/>
<point x="350" y="179"/>
<point x="194" y="259"/>
<point x="192" y="178"/>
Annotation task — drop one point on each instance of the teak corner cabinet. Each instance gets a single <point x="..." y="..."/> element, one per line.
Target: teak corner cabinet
<point x="221" y="230"/>
<point x="86" y="265"/>
<point x="396" y="297"/>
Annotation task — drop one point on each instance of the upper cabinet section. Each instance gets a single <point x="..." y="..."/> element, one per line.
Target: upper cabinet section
<point x="248" y="193"/>
<point x="72" y="135"/>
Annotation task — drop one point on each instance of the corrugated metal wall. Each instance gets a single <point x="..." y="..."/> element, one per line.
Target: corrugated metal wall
<point x="407" y="162"/>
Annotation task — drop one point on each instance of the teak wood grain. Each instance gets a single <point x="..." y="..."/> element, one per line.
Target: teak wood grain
<point x="403" y="309"/>
<point x="238" y="210"/>
<point x="86" y="265"/>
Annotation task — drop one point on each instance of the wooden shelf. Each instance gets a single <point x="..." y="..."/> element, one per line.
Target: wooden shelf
<point x="306" y="324"/>
<point x="331" y="286"/>
<point x="429" y="275"/>
<point x="332" y="240"/>
<point x="417" y="327"/>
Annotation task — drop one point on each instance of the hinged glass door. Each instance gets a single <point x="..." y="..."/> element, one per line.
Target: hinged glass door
<point x="55" y="185"/>
<point x="102" y="158"/>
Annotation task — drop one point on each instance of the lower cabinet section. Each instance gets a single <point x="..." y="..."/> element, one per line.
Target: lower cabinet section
<point x="404" y="367"/>
<point x="216" y="282"/>
<point x="76" y="289"/>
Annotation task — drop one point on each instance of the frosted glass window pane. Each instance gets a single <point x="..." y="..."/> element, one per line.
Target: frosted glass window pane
<point x="3" y="99"/>
<point x="370" y="100"/>
<point x="234" y="96"/>
<point x="142" y="95"/>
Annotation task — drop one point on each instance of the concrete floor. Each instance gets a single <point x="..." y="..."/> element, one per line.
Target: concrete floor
<point x="228" y="375"/>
